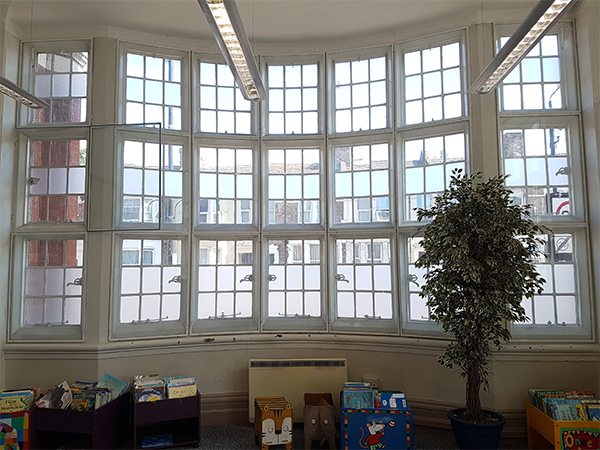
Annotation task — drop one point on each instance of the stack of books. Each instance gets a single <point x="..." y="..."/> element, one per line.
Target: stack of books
<point x="357" y="395"/>
<point x="566" y="405"/>
<point x="148" y="388"/>
<point x="17" y="400"/>
<point x="180" y="386"/>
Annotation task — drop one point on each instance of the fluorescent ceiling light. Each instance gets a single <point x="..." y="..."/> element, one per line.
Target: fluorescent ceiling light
<point x="545" y="14"/>
<point x="21" y="95"/>
<point x="226" y="25"/>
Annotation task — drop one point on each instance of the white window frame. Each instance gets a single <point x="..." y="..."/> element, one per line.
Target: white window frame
<point x="357" y="55"/>
<point x="160" y="52"/>
<point x="148" y="137"/>
<point x="438" y="40"/>
<point x="211" y="58"/>
<point x="372" y="325"/>
<point x="317" y="59"/>
<point x="233" y="143"/>
<point x="575" y="149"/>
<point x="380" y="138"/>
<point x="29" y="54"/>
<point x="300" y="323"/>
<point x="51" y="333"/>
<point x="292" y="144"/>
<point x="424" y="132"/>
<point x="425" y="327"/>
<point x="226" y="324"/>
<point x="141" y="329"/>
<point x="583" y="329"/>
<point x="21" y="208"/>
<point x="568" y="71"/>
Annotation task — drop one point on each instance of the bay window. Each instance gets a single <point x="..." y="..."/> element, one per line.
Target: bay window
<point x="294" y="214"/>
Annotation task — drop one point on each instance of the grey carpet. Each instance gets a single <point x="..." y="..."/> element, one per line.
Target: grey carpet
<point x="234" y="437"/>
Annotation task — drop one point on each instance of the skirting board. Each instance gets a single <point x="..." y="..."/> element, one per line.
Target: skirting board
<point x="232" y="409"/>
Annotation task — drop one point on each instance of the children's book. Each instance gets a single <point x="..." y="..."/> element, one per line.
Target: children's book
<point x="594" y="412"/>
<point x="117" y="386"/>
<point x="150" y="393"/>
<point x="58" y="397"/>
<point x="14" y="401"/>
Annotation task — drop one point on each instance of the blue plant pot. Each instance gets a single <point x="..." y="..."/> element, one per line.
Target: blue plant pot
<point x="470" y="435"/>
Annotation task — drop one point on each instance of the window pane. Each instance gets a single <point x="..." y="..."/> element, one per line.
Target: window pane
<point x="538" y="164"/>
<point x="363" y="279"/>
<point x="53" y="279"/>
<point x="293" y="92"/>
<point x="225" y="179"/>
<point x="532" y="78"/>
<point x="359" y="87"/>
<point x="56" y="182"/>
<point x="294" y="278"/>
<point x="429" y="75"/>
<point x="440" y="155"/>
<point x="294" y="175"/>
<point x="362" y="172"/>
<point x="155" y="85"/>
<point x="60" y="77"/>
<point x="151" y="278"/>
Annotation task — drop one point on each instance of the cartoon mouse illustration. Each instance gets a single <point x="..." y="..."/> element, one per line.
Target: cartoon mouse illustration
<point x="373" y="440"/>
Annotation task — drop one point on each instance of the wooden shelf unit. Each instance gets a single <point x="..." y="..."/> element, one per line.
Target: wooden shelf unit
<point x="545" y="433"/>
<point x="179" y="417"/>
<point x="105" y="427"/>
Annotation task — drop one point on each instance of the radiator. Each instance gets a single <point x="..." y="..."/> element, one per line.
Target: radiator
<point x="292" y="378"/>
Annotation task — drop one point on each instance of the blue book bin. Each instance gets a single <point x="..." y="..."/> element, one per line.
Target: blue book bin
<point x="375" y="428"/>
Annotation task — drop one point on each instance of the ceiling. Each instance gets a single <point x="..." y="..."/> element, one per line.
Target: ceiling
<point x="266" y="21"/>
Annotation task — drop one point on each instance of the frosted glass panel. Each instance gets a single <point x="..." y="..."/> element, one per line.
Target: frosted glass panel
<point x="345" y="304"/>
<point x="150" y="279"/>
<point x="150" y="307"/>
<point x="171" y="306"/>
<point x="54" y="282"/>
<point x="382" y="275"/>
<point x="130" y="280"/>
<point x="364" y="304"/>
<point x="58" y="181"/>
<point x="206" y="305"/>
<point x="276" y="304"/>
<point x="129" y="309"/>
<point x="363" y="278"/>
<point x="383" y="305"/>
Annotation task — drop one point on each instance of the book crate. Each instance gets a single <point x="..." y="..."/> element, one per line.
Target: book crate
<point x="544" y="432"/>
<point x="103" y="428"/>
<point x="175" y="418"/>
<point x="15" y="430"/>
<point x="368" y="428"/>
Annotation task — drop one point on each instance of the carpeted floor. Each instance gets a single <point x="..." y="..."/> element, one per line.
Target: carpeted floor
<point x="242" y="437"/>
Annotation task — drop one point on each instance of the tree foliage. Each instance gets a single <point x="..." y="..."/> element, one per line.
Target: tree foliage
<point x="479" y="249"/>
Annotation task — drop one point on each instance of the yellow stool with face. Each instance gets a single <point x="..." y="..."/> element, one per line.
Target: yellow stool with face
<point x="272" y="422"/>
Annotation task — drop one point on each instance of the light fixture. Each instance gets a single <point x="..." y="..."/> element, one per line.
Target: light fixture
<point x="226" y="25"/>
<point x="21" y="95"/>
<point x="545" y="14"/>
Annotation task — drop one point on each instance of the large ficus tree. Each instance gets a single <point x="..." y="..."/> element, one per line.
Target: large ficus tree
<point x="480" y="250"/>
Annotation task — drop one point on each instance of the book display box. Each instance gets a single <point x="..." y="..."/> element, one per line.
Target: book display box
<point x="15" y="430"/>
<point x="375" y="428"/>
<point x="544" y="432"/>
<point x="105" y="427"/>
<point x="167" y="423"/>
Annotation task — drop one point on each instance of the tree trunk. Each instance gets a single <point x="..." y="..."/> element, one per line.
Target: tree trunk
<point x="474" y="410"/>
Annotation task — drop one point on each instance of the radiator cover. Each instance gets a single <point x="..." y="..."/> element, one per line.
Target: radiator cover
<point x="292" y="378"/>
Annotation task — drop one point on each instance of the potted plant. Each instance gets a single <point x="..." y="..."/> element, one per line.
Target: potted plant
<point x="480" y="250"/>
